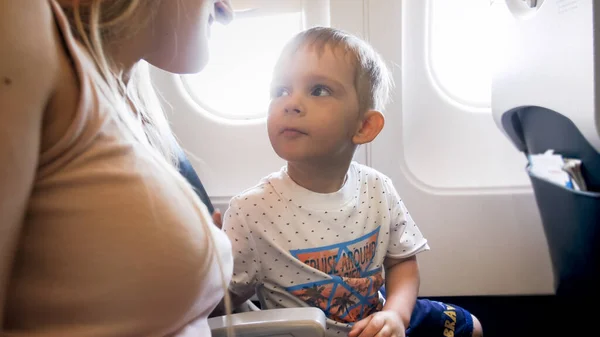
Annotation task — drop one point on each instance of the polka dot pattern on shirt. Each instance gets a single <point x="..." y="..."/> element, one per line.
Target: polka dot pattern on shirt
<point x="269" y="222"/>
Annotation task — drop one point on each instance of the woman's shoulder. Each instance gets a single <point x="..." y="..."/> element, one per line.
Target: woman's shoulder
<point x="29" y="50"/>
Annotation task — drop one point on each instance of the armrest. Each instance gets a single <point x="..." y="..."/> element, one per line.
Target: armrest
<point x="289" y="322"/>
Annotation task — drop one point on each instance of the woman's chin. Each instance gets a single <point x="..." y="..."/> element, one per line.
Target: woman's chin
<point x="181" y="66"/>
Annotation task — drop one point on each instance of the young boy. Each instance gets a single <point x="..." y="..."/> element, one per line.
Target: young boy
<point x="324" y="230"/>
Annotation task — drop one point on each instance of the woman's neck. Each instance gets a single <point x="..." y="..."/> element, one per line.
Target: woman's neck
<point x="319" y="178"/>
<point x="125" y="55"/>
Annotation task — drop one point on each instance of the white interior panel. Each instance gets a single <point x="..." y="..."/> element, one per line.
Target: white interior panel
<point x="455" y="171"/>
<point x="555" y="69"/>
<point x="449" y="145"/>
<point x="227" y="155"/>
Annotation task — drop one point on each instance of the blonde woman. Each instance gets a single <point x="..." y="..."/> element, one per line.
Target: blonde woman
<point x="99" y="233"/>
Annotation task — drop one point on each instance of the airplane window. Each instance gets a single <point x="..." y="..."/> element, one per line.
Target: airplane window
<point x="460" y="37"/>
<point x="235" y="83"/>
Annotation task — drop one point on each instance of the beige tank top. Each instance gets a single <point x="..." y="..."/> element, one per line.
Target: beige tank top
<point x="111" y="246"/>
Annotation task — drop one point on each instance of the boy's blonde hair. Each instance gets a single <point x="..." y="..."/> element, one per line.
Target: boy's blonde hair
<point x="372" y="78"/>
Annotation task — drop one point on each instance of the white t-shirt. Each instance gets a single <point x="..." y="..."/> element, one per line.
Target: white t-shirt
<point x="296" y="248"/>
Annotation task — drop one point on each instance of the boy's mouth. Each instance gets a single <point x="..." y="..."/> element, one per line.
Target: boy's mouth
<point x="292" y="132"/>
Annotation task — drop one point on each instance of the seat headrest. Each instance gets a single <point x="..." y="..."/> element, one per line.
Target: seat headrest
<point x="544" y="56"/>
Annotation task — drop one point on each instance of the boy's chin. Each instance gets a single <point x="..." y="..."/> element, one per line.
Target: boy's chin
<point x="292" y="156"/>
<point x="297" y="156"/>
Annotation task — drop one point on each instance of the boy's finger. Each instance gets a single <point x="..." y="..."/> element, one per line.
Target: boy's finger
<point x="386" y="331"/>
<point x="374" y="326"/>
<point x="359" y="326"/>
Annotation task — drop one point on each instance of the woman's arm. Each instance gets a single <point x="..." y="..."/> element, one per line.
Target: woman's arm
<point x="28" y="68"/>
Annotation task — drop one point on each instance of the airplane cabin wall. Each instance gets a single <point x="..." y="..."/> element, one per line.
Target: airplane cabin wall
<point x="463" y="183"/>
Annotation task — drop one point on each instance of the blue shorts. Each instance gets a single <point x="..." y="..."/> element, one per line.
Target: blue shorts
<point x="432" y="318"/>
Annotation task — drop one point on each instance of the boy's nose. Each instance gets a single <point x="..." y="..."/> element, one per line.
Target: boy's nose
<point x="293" y="109"/>
<point x="293" y="106"/>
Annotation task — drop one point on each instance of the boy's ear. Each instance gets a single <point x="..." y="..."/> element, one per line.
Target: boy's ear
<point x="369" y="127"/>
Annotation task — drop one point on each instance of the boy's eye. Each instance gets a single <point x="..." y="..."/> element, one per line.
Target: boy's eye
<point x="278" y="92"/>
<point x="321" y="91"/>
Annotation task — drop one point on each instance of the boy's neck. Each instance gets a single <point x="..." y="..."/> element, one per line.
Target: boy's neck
<point x="319" y="178"/>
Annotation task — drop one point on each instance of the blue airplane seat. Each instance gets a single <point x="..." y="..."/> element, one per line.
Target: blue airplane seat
<point x="187" y="170"/>
<point x="571" y="219"/>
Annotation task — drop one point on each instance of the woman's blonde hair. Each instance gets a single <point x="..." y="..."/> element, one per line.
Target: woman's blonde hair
<point x="99" y="22"/>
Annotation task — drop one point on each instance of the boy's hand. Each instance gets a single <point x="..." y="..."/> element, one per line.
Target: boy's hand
<point x="217" y="218"/>
<point x="379" y="324"/>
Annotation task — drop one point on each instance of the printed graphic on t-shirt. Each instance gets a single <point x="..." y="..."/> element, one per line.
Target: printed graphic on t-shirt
<point x="352" y="292"/>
